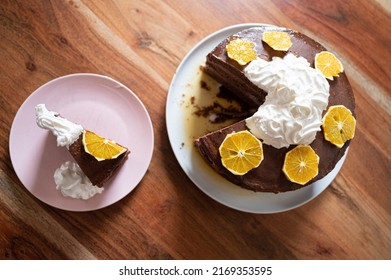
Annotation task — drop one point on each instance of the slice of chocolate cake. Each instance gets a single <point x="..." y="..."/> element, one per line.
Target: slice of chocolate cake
<point x="269" y="177"/>
<point x="70" y="135"/>
<point x="99" y="172"/>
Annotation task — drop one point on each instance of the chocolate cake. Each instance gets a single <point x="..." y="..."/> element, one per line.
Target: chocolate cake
<point x="99" y="172"/>
<point x="269" y="177"/>
<point x="70" y="135"/>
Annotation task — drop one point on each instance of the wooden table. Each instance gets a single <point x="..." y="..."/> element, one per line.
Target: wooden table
<point x="140" y="44"/>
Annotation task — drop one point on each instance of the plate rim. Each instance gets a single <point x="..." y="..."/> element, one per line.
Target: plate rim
<point x="328" y="178"/>
<point x="34" y="93"/>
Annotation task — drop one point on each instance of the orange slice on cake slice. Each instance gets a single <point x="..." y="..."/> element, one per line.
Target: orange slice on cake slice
<point x="101" y="148"/>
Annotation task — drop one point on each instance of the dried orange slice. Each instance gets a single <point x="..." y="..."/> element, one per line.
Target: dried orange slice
<point x="301" y="164"/>
<point x="100" y="147"/>
<point x="240" y="152"/>
<point x="242" y="51"/>
<point x="328" y="64"/>
<point x="338" y="125"/>
<point x="277" y="40"/>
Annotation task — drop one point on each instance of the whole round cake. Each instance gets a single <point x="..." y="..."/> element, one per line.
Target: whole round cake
<point x="304" y="102"/>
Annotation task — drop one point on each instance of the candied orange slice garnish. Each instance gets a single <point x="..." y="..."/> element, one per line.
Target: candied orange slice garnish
<point x="100" y="147"/>
<point x="301" y="164"/>
<point x="277" y="40"/>
<point x="240" y="152"/>
<point x="242" y="51"/>
<point x="338" y="125"/>
<point x="328" y="64"/>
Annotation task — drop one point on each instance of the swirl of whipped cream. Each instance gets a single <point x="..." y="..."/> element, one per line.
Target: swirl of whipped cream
<point x="297" y="96"/>
<point x="66" y="132"/>
<point x="72" y="182"/>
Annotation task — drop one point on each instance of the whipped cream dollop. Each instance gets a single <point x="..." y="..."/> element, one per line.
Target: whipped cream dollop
<point x="72" y="182"/>
<point x="297" y="94"/>
<point x="66" y="131"/>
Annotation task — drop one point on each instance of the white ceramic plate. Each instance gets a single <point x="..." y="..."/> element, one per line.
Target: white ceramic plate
<point x="194" y="166"/>
<point x="98" y="103"/>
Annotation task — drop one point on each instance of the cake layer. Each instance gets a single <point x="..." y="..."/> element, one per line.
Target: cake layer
<point x="269" y="177"/>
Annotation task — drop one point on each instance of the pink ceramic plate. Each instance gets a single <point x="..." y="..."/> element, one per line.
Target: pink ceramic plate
<point x="98" y="103"/>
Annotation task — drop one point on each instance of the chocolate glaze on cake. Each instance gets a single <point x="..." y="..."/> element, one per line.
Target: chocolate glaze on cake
<point x="269" y="177"/>
<point x="99" y="172"/>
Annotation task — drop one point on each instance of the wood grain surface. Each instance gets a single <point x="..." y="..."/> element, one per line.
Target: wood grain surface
<point x="140" y="44"/>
